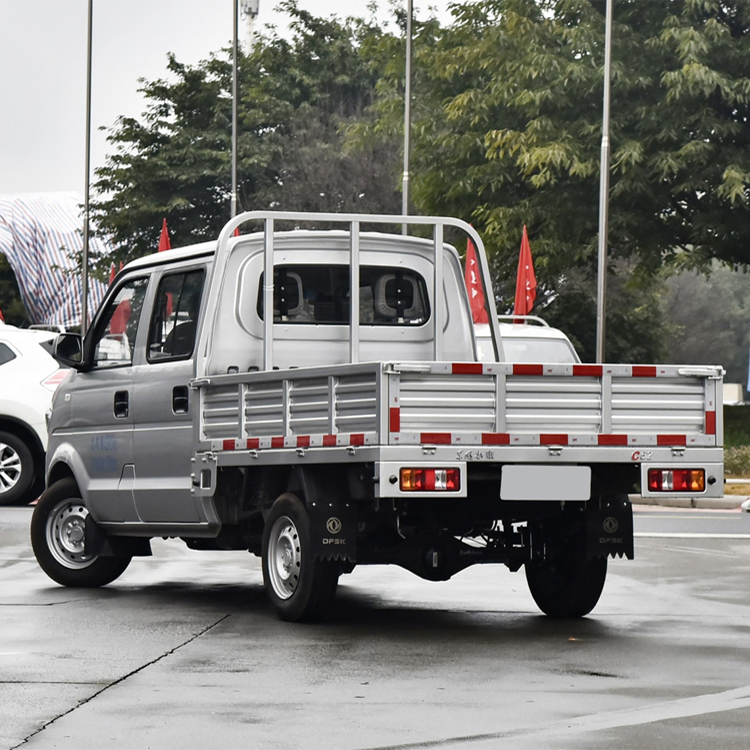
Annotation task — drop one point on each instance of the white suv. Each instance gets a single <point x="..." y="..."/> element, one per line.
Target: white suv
<point x="531" y="339"/>
<point x="29" y="377"/>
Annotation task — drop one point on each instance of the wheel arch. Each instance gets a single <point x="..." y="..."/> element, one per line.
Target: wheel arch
<point x="66" y="463"/>
<point x="23" y="431"/>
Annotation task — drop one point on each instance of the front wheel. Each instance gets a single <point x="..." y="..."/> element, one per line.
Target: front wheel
<point x="299" y="586"/>
<point x="566" y="584"/>
<point x="58" y="538"/>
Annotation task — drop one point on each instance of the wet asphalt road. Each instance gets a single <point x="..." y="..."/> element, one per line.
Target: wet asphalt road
<point x="184" y="652"/>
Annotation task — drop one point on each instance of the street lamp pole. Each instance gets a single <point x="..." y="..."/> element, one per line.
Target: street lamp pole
<point x="601" y="286"/>
<point x="235" y="90"/>
<point x="87" y="182"/>
<point x="407" y="113"/>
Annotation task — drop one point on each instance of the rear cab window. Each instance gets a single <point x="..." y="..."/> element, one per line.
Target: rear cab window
<point x="320" y="294"/>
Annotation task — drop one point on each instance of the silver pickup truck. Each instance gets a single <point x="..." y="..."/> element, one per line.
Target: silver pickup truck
<point x="316" y="397"/>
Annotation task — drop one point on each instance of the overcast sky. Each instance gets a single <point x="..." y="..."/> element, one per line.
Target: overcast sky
<point x="43" y="71"/>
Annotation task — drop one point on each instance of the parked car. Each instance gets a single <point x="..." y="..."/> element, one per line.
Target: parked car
<point x="527" y="338"/>
<point x="29" y="377"/>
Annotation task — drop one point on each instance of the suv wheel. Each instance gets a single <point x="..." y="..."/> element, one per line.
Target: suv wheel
<point x="17" y="469"/>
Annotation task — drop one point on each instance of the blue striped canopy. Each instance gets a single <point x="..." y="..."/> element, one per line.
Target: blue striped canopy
<point x="41" y="235"/>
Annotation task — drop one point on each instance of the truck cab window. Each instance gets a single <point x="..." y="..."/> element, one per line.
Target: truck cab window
<point x="320" y="294"/>
<point x="175" y="316"/>
<point x="115" y="333"/>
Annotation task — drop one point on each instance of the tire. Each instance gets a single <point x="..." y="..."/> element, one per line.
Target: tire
<point x="58" y="537"/>
<point x="567" y="585"/>
<point x="17" y="469"/>
<point x="299" y="586"/>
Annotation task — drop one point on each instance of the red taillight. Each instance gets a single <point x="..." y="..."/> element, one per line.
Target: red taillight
<point x="676" y="480"/>
<point x="430" y="480"/>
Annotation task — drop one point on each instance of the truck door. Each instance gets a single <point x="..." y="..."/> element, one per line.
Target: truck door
<point x="101" y="406"/>
<point x="163" y="403"/>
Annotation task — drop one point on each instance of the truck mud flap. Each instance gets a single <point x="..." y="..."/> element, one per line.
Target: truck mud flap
<point x="99" y="543"/>
<point x="333" y="518"/>
<point x="609" y="529"/>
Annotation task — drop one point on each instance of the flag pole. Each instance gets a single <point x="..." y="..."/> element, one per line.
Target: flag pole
<point x="407" y="115"/>
<point x="601" y="286"/>
<point x="87" y="182"/>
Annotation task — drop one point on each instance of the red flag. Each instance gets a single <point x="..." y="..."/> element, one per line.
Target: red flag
<point x="474" y="285"/>
<point x="526" y="280"/>
<point x="237" y="232"/>
<point x="2" y="318"/>
<point x="164" y="243"/>
<point x="112" y="273"/>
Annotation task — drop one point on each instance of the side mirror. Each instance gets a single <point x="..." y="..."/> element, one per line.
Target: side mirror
<point x="68" y="350"/>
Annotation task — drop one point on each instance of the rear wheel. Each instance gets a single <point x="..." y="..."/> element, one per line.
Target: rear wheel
<point x="566" y="584"/>
<point x="299" y="586"/>
<point x="58" y="537"/>
<point x="17" y="469"/>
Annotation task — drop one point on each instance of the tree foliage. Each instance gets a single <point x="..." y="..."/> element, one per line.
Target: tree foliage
<point x="508" y="132"/>
<point x="295" y="97"/>
<point x="710" y="320"/>
<point x="11" y="304"/>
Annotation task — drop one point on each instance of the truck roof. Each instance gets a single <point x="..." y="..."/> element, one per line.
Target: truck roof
<point x="201" y="249"/>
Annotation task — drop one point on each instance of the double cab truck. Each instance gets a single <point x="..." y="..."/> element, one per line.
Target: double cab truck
<point x="315" y="396"/>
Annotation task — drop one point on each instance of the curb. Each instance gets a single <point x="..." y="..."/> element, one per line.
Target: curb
<point x="728" y="502"/>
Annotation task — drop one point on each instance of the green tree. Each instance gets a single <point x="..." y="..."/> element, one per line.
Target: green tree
<point x="296" y="96"/>
<point x="709" y="320"/>
<point x="11" y="304"/>
<point x="508" y="132"/>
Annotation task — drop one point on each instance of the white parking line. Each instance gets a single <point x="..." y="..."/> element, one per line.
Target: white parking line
<point x="686" y="535"/>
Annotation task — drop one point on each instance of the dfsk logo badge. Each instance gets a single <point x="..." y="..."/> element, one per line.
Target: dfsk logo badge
<point x="333" y="525"/>
<point x="610" y="525"/>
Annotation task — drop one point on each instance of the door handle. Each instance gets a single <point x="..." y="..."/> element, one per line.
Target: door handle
<point x="122" y="404"/>
<point x="180" y="399"/>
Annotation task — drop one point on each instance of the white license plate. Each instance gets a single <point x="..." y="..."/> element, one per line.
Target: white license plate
<point x="545" y="483"/>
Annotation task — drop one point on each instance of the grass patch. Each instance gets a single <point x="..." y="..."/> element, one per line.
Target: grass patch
<point x="737" y="461"/>
<point x="736" y="426"/>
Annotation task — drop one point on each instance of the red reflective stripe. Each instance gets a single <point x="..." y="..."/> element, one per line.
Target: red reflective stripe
<point x="277" y="442"/>
<point x="466" y="368"/>
<point x="671" y="440"/>
<point x="588" y="370"/>
<point x="228" y="445"/>
<point x="495" y="438"/>
<point x="644" y="371"/>
<point x="329" y="441"/>
<point x="443" y="438"/>
<point x="303" y="441"/>
<point x="613" y="439"/>
<point x="395" y="419"/>
<point x="519" y="369"/>
<point x="710" y="423"/>
<point x="553" y="440"/>
<point x="253" y="443"/>
<point x="357" y="439"/>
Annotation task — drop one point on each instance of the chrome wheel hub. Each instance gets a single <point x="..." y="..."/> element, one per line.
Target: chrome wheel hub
<point x="284" y="558"/>
<point x="10" y="468"/>
<point x="66" y="534"/>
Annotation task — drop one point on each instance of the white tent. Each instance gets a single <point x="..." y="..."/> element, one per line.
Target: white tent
<point x="41" y="235"/>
